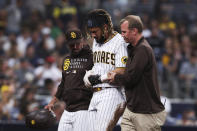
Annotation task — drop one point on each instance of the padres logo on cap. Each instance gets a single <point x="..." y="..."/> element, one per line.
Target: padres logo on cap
<point x="124" y="59"/>
<point x="73" y="35"/>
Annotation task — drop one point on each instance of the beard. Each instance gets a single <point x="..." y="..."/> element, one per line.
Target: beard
<point x="75" y="53"/>
<point x="101" y="40"/>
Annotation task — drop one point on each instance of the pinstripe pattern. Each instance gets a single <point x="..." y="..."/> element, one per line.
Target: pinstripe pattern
<point x="103" y="106"/>
<point x="74" y="121"/>
<point x="106" y="102"/>
<point x="115" y="46"/>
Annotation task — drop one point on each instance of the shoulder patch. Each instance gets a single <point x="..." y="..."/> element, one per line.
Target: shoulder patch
<point x="124" y="59"/>
<point x="66" y="64"/>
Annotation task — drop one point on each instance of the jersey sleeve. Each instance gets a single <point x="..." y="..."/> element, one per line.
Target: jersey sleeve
<point x="61" y="86"/>
<point x="121" y="54"/>
<point x="60" y="89"/>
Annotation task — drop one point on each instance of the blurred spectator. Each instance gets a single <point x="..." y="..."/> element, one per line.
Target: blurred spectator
<point x="31" y="56"/>
<point x="173" y="33"/>
<point x="193" y="28"/>
<point x="35" y="5"/>
<point x="8" y="111"/>
<point x="48" y="87"/>
<point x="3" y="19"/>
<point x="2" y="4"/>
<point x="14" y="16"/>
<point x="48" y="70"/>
<point x="33" y="20"/>
<point x="6" y="70"/>
<point x="156" y="43"/>
<point x="12" y="51"/>
<point x="23" y="40"/>
<point x="2" y="52"/>
<point x="65" y="13"/>
<point x="27" y="100"/>
<point x="55" y="30"/>
<point x="1" y="78"/>
<point x="182" y="30"/>
<point x="21" y="89"/>
<point x="4" y="42"/>
<point x="188" y="118"/>
<point x="113" y="9"/>
<point x="48" y="40"/>
<point x="146" y="32"/>
<point x="186" y="46"/>
<point x="25" y="72"/>
<point x="61" y="46"/>
<point x="166" y="24"/>
<point x="146" y="29"/>
<point x="188" y="76"/>
<point x="91" y="4"/>
<point x="171" y="61"/>
<point x="195" y="107"/>
<point x="144" y="6"/>
<point x="42" y="51"/>
<point x="36" y="38"/>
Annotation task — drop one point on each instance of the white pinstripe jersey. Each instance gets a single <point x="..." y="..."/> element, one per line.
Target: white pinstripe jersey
<point x="109" y="56"/>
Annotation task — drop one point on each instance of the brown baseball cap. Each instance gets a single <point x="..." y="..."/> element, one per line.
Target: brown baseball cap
<point x="73" y="36"/>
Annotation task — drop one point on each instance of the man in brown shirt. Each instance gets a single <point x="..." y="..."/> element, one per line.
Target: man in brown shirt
<point x="144" y="110"/>
<point x="72" y="89"/>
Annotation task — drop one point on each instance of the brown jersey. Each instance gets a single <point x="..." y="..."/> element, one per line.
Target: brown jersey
<point x="140" y="80"/>
<point x="72" y="89"/>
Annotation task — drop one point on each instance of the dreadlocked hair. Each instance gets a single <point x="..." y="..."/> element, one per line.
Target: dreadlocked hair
<point x="98" y="18"/>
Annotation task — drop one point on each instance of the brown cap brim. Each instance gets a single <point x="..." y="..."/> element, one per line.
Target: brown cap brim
<point x="71" y="42"/>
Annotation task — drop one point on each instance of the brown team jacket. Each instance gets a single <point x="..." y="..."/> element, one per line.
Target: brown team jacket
<point x="140" y="80"/>
<point x="72" y="89"/>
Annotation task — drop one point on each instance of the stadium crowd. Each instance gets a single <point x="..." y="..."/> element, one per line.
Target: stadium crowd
<point x="32" y="47"/>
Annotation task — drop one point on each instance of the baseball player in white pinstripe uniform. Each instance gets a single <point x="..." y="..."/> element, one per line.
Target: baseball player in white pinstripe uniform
<point x="109" y="54"/>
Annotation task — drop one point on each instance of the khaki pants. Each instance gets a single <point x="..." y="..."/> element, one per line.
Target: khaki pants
<point x="142" y="122"/>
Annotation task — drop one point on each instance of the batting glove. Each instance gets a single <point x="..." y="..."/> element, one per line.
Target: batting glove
<point x="94" y="79"/>
<point x="85" y="78"/>
<point x="97" y="79"/>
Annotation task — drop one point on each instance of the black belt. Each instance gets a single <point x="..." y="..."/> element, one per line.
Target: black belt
<point x="95" y="89"/>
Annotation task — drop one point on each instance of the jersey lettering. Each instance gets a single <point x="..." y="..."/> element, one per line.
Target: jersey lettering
<point x="104" y="57"/>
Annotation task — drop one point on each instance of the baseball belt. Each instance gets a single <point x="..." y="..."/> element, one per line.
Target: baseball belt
<point x="96" y="89"/>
